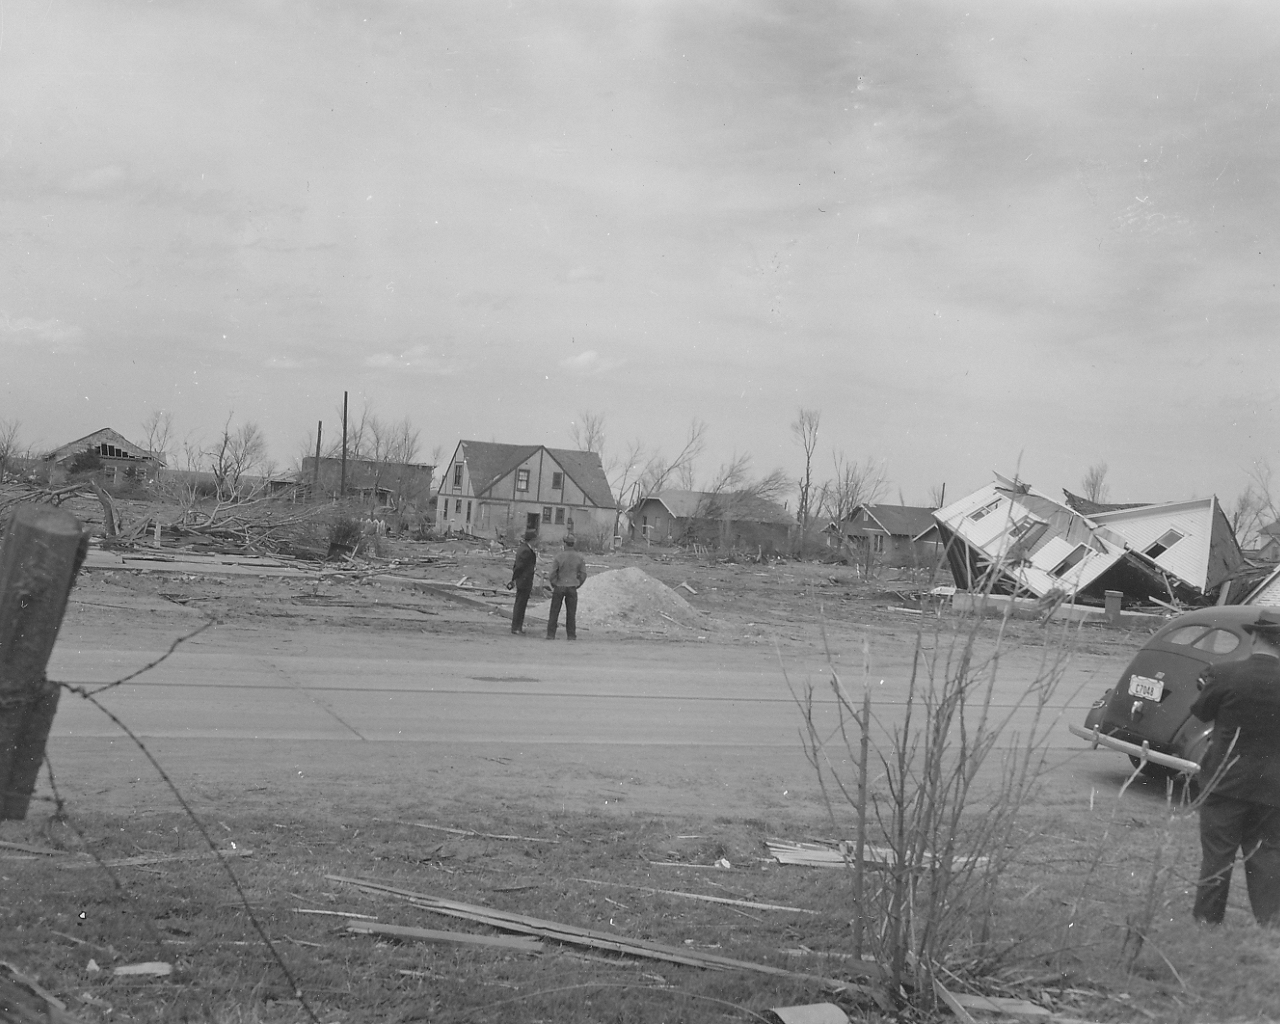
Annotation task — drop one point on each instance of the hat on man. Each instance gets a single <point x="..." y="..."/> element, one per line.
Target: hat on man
<point x="568" y="540"/>
<point x="530" y="535"/>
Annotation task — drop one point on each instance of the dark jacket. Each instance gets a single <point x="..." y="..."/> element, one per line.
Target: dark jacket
<point x="569" y="569"/>
<point x="1244" y="696"/>
<point x="522" y="571"/>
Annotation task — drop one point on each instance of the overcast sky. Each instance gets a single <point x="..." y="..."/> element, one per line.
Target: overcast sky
<point x="1023" y="234"/>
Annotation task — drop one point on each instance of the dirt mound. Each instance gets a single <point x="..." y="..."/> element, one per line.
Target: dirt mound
<point x="629" y="598"/>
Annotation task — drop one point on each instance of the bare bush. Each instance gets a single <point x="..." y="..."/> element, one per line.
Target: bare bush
<point x="932" y="787"/>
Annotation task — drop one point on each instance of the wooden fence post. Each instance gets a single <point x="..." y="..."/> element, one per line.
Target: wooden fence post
<point x="40" y="554"/>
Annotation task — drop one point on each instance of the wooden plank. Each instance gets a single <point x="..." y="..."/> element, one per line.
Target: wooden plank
<point x="597" y="939"/>
<point x="42" y="550"/>
<point x="699" y="896"/>
<point x="815" y="855"/>
<point x="521" y="944"/>
<point x="83" y="863"/>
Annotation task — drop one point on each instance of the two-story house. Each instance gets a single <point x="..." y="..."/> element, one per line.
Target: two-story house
<point x="491" y="489"/>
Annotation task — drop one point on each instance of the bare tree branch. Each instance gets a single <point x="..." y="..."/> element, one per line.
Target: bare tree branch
<point x="805" y="431"/>
<point x="1094" y="483"/>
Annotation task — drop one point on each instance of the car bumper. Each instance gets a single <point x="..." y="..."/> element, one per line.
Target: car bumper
<point x="1141" y="751"/>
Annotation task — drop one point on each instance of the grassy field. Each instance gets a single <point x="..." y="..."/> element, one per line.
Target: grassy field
<point x="1061" y="925"/>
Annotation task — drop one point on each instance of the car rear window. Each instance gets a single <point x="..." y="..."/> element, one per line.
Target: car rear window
<point x="1218" y="641"/>
<point x="1204" y="638"/>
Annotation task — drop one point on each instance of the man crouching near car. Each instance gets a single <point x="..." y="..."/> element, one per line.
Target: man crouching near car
<point x="1240" y="779"/>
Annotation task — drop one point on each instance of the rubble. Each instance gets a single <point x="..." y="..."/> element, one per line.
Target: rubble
<point x="630" y="597"/>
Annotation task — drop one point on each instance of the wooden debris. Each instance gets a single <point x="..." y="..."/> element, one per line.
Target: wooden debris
<point x="818" y="855"/>
<point x="150" y="969"/>
<point x="477" y="835"/>
<point x="45" y="851"/>
<point x="687" y="587"/>
<point x="606" y="940"/>
<point x="334" y="913"/>
<point x="521" y="943"/>
<point x="83" y="862"/>
<point x="699" y="896"/>
<point x="1002" y="1005"/>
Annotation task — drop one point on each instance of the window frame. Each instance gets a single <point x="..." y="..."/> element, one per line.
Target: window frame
<point x="522" y="480"/>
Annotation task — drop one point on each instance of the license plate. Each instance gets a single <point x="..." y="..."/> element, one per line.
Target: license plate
<point x="1147" y="689"/>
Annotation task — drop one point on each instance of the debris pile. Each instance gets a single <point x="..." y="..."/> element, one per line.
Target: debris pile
<point x="629" y="598"/>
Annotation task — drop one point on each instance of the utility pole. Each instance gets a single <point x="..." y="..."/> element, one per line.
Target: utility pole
<point x="342" y="488"/>
<point x="315" y="470"/>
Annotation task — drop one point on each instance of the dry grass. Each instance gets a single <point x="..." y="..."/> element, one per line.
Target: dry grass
<point x="1059" y="925"/>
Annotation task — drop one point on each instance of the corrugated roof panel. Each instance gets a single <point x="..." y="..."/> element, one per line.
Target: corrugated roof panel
<point x="1188" y="558"/>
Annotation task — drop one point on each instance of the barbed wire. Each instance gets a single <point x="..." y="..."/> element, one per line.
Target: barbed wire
<point x="89" y="692"/>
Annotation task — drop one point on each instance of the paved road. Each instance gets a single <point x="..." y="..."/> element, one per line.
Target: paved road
<point x="246" y="683"/>
<point x="702" y="721"/>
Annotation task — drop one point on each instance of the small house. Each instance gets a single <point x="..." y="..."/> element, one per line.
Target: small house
<point x="900" y="536"/>
<point x="726" y="519"/>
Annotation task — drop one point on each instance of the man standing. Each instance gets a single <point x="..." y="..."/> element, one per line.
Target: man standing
<point x="1241" y="809"/>
<point x="522" y="579"/>
<point x="568" y="573"/>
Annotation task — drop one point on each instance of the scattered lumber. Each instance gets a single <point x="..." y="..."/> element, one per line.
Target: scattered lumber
<point x="519" y="944"/>
<point x="838" y="855"/>
<point x="591" y="938"/>
<point x="46" y="851"/>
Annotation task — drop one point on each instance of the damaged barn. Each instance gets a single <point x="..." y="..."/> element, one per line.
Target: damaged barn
<point x="1008" y="538"/>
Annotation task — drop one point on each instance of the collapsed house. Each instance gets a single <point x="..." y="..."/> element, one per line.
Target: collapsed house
<point x="1008" y="538"/>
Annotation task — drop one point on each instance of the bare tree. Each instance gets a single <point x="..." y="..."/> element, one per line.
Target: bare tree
<point x="937" y="495"/>
<point x="854" y="484"/>
<point x="1094" y="483"/>
<point x="659" y="471"/>
<point x="587" y="432"/>
<point x="234" y="456"/>
<point x="8" y="444"/>
<point x="1254" y="507"/>
<point x="157" y="433"/>
<point x="805" y="431"/>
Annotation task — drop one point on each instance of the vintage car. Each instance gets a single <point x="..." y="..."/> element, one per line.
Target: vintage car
<point x="1147" y="715"/>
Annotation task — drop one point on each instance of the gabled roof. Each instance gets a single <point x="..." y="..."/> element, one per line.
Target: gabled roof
<point x="103" y="436"/>
<point x="898" y="520"/>
<point x="488" y="462"/>
<point x="741" y="506"/>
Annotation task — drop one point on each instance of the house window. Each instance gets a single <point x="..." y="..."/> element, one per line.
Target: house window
<point x="1168" y="540"/>
<point x="557" y="481"/>
<point x="468" y="511"/>
<point x="1070" y="562"/>
<point x="457" y="475"/>
<point x="546" y="514"/>
<point x="986" y="510"/>
<point x="457" y="505"/>
<point x="522" y="480"/>
<point x="559" y="517"/>
<point x="877" y="543"/>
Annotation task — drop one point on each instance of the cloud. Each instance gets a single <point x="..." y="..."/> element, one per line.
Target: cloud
<point x="418" y="359"/>
<point x="25" y="330"/>
<point x="588" y="363"/>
